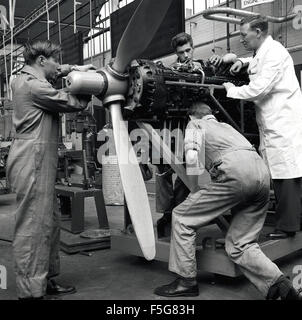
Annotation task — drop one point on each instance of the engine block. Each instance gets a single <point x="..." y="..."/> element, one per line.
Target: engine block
<point x="156" y="91"/>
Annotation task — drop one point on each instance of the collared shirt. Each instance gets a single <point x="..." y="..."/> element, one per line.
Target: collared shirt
<point x="214" y="138"/>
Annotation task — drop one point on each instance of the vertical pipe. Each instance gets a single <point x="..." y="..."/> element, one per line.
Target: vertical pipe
<point x="228" y="30"/>
<point x="47" y="17"/>
<point x="92" y="46"/>
<point x="5" y="65"/>
<point x="74" y="16"/>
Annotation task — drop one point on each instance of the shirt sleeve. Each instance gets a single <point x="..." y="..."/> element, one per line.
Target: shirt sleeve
<point x="53" y="100"/>
<point x="193" y="137"/>
<point x="245" y="60"/>
<point x="262" y="83"/>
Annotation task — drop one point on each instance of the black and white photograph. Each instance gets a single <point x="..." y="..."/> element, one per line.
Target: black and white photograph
<point x="150" y="154"/>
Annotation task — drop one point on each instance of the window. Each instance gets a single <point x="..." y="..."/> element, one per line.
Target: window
<point x="102" y="41"/>
<point x="195" y="6"/>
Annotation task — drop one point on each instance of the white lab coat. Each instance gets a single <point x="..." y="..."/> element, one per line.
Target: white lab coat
<point x="275" y="90"/>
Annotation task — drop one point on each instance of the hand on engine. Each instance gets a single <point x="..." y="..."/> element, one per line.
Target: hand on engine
<point x="236" y="67"/>
<point x="84" y="68"/>
<point x="63" y="70"/>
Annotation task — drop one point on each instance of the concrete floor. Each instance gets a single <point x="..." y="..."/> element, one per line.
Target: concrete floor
<point x="111" y="275"/>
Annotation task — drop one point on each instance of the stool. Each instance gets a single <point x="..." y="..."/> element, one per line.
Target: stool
<point x="77" y="196"/>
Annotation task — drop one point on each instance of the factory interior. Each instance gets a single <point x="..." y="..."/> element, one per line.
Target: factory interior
<point x="115" y="233"/>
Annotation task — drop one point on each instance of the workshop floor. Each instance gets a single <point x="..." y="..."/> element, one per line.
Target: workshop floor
<point x="109" y="274"/>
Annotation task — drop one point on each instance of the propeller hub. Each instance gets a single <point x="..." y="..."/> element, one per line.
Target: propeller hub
<point x="106" y="84"/>
<point x="117" y="85"/>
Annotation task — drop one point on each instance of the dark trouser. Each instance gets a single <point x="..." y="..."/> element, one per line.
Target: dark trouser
<point x="167" y="195"/>
<point x="288" y="203"/>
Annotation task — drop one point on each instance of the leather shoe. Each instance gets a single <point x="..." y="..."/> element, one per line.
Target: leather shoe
<point x="279" y="234"/>
<point x="178" y="288"/>
<point x="55" y="289"/>
<point x="294" y="294"/>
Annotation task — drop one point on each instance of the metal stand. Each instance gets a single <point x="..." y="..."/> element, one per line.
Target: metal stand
<point x="77" y="196"/>
<point x="210" y="253"/>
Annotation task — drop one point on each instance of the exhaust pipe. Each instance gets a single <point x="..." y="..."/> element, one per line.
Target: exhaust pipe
<point x="213" y="14"/>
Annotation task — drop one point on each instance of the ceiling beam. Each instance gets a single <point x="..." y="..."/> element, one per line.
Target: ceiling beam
<point x="64" y="24"/>
<point x="30" y="19"/>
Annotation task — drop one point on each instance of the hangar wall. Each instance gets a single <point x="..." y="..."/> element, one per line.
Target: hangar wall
<point x="209" y="35"/>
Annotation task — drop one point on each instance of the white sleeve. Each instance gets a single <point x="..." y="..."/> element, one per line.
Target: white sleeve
<point x="262" y="83"/>
<point x="245" y="60"/>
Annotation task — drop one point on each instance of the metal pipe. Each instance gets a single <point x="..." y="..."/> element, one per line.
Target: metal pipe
<point x="228" y="32"/>
<point x="211" y="14"/>
<point x="226" y="114"/>
<point x="295" y="48"/>
<point x="88" y="38"/>
<point x="199" y="85"/>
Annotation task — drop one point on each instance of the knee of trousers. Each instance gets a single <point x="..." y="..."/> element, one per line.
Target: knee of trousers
<point x="234" y="252"/>
<point x="180" y="226"/>
<point x="177" y="217"/>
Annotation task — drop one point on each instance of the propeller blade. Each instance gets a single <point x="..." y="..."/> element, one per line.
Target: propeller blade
<point x="140" y="31"/>
<point x="133" y="184"/>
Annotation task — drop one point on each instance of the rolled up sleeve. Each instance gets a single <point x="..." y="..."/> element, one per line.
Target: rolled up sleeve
<point x="193" y="137"/>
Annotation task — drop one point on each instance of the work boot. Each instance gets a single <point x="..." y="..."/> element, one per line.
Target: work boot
<point x="55" y="289"/>
<point x="180" y="287"/>
<point x="284" y="289"/>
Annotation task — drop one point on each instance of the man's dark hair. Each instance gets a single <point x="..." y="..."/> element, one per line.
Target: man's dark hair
<point x="257" y="22"/>
<point x="45" y="48"/>
<point x="181" y="39"/>
<point x="199" y="109"/>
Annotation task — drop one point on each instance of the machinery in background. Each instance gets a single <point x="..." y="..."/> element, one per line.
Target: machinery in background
<point x="5" y="142"/>
<point x="73" y="187"/>
<point x="4" y="150"/>
<point x="157" y="92"/>
<point x="83" y="124"/>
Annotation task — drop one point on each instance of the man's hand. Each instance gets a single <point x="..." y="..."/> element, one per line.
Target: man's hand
<point x="228" y="85"/>
<point x="84" y="68"/>
<point x="63" y="70"/>
<point x="227" y="58"/>
<point x="236" y="67"/>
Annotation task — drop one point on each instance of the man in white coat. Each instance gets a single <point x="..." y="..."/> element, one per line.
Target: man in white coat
<point x="275" y="90"/>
